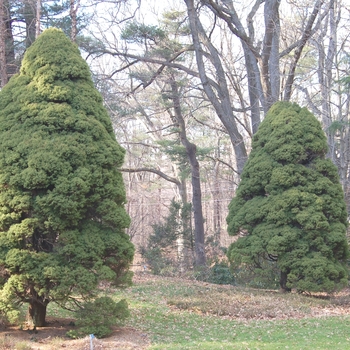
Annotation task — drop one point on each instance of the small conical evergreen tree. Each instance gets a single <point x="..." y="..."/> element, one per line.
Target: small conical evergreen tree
<point x="289" y="208"/>
<point x="62" y="217"/>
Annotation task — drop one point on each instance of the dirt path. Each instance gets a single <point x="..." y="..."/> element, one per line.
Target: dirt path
<point x="53" y="337"/>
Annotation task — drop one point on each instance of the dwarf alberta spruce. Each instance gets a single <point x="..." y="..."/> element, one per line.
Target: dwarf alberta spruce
<point x="62" y="217"/>
<point x="289" y="208"/>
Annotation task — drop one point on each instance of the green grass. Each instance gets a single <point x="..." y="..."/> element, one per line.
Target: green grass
<point x="179" y="314"/>
<point x="207" y="333"/>
<point x="54" y="310"/>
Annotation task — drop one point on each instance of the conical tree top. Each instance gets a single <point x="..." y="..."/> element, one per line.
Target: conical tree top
<point x="290" y="134"/>
<point x="62" y="215"/>
<point x="57" y="142"/>
<point x="290" y="204"/>
<point x="53" y="71"/>
<point x="54" y="57"/>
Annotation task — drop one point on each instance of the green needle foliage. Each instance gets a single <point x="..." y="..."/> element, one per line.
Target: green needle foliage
<point x="98" y="317"/>
<point x="289" y="208"/>
<point x="62" y="217"/>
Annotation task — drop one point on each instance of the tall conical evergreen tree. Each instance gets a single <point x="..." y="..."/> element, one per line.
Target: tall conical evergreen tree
<point x="62" y="217"/>
<point x="289" y="207"/>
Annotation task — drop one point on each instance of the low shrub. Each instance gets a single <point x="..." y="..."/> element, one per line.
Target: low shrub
<point x="98" y="317"/>
<point x="220" y="273"/>
<point x="266" y="277"/>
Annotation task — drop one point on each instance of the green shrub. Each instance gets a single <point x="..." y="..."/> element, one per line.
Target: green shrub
<point x="160" y="253"/>
<point x="220" y="273"/>
<point x="98" y="317"/>
<point x="155" y="259"/>
<point x="266" y="277"/>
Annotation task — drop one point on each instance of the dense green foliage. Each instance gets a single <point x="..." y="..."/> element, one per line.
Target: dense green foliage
<point x="98" y="317"/>
<point x="267" y="276"/>
<point x="220" y="273"/>
<point x="62" y="216"/>
<point x="289" y="207"/>
<point x="160" y="253"/>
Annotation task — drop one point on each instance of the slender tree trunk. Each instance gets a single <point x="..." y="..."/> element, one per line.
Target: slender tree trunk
<point x="74" y="6"/>
<point x="3" y="63"/>
<point x="270" y="54"/>
<point x="182" y="242"/>
<point x="216" y="198"/>
<point x="328" y="84"/>
<point x="214" y="187"/>
<point x="255" y="90"/>
<point x="345" y="154"/>
<point x="191" y="150"/>
<point x="29" y="13"/>
<point x="197" y="207"/>
<point x="38" y="16"/>
<point x="6" y="32"/>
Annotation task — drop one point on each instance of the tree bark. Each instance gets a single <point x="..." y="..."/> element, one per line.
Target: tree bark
<point x="29" y="14"/>
<point x="37" y="313"/>
<point x="283" y="282"/>
<point x="326" y="79"/>
<point x="256" y="96"/>
<point x="200" y="257"/>
<point x="270" y="53"/>
<point x="38" y="16"/>
<point x="191" y="151"/>
<point x="185" y="242"/>
<point x="3" y="63"/>
<point x="266" y="81"/>
<point x="8" y="65"/>
<point x="74" y="6"/>
<point x="218" y="94"/>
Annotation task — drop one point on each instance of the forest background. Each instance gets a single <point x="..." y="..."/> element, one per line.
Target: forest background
<point x="187" y="84"/>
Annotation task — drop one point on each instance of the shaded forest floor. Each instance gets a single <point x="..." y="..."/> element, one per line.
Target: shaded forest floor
<point x="172" y="311"/>
<point x="53" y="337"/>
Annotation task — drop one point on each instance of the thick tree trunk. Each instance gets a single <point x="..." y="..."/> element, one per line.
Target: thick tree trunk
<point x="283" y="282"/>
<point x="37" y="313"/>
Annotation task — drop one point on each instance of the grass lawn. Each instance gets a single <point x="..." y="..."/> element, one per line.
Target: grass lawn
<point x="172" y="313"/>
<point x="178" y="314"/>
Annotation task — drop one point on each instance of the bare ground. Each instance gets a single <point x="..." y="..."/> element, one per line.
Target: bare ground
<point x="54" y="337"/>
